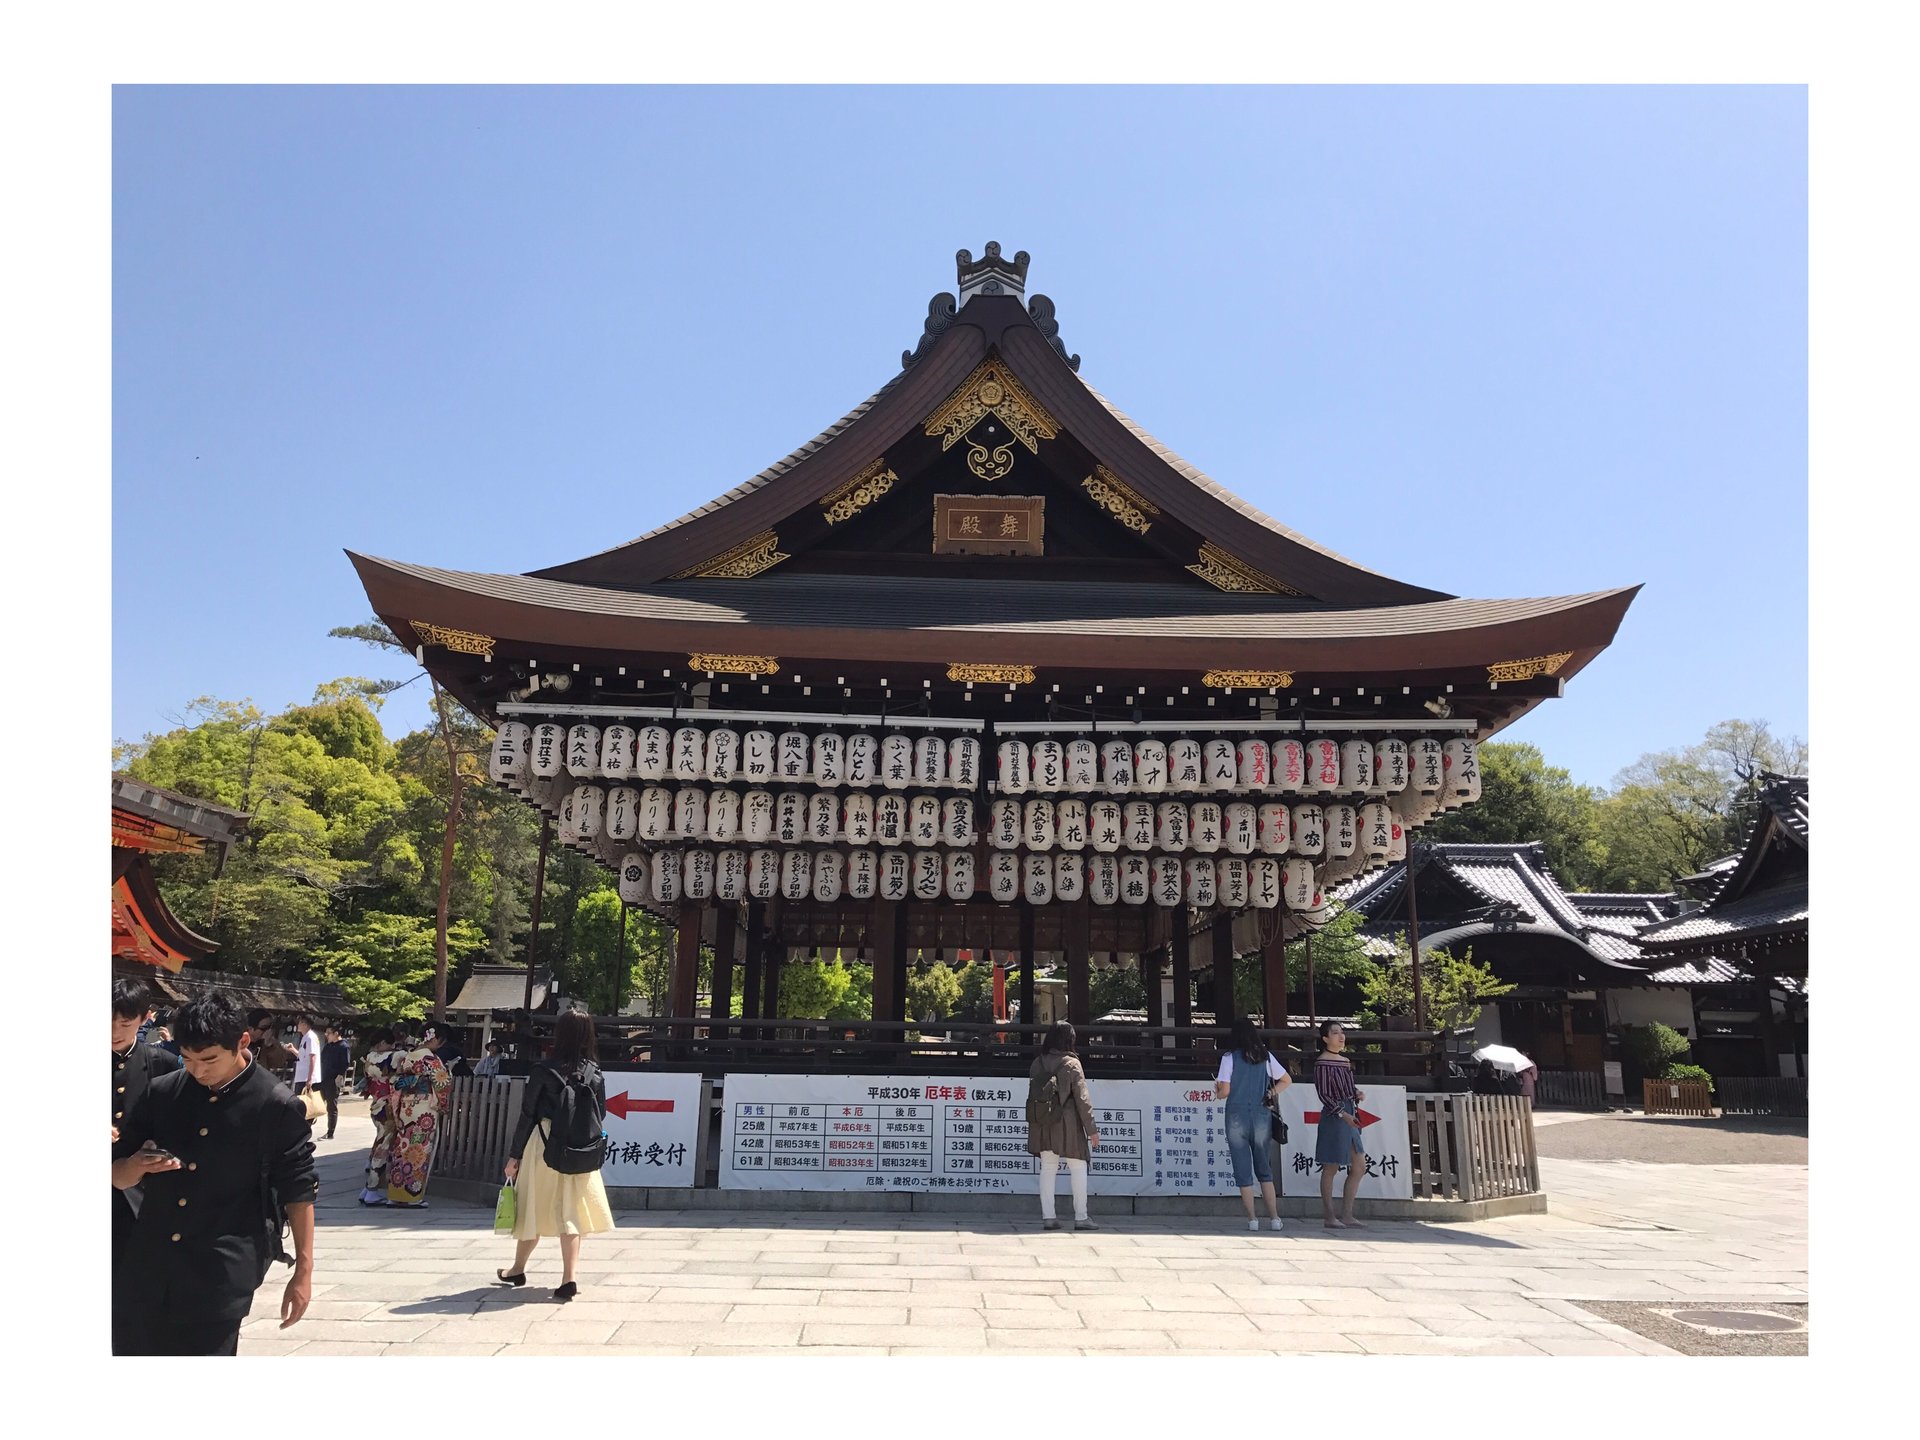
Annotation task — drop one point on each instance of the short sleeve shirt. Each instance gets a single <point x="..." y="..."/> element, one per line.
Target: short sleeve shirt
<point x="1275" y="1070"/>
<point x="306" y="1063"/>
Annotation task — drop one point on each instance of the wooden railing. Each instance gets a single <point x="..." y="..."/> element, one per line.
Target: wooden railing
<point x="1761" y="1095"/>
<point x="1569" y="1090"/>
<point x="1677" y="1097"/>
<point x="476" y="1125"/>
<point x="1472" y="1147"/>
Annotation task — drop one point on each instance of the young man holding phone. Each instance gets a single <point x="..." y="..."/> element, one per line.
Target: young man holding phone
<point x="220" y="1148"/>
<point x="136" y="1065"/>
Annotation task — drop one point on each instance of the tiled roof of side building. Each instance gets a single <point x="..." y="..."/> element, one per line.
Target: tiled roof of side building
<point x="1770" y="910"/>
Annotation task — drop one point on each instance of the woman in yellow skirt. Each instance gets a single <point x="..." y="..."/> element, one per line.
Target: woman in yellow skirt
<point x="550" y="1201"/>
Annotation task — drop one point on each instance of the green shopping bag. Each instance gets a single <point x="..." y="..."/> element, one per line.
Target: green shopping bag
<point x="506" y="1210"/>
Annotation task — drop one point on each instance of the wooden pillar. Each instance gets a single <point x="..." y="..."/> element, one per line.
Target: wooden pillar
<point x="726" y="929"/>
<point x="1182" y="950"/>
<point x="889" y="996"/>
<point x="686" y="959"/>
<point x="1027" y="1015"/>
<point x="533" y="930"/>
<point x="902" y="935"/>
<point x="1223" y="1001"/>
<point x="1273" y="965"/>
<point x="1077" y="923"/>
<point x="776" y="955"/>
<point x="750" y="973"/>
<point x="1413" y="941"/>
<point x="1150" y="963"/>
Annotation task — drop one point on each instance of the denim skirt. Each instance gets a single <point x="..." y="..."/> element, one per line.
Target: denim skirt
<point x="1337" y="1140"/>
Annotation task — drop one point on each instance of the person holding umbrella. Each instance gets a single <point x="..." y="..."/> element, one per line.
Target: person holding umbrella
<point x="1506" y="1071"/>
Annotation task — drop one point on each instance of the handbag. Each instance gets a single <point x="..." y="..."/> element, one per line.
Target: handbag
<point x="314" y="1103"/>
<point x="506" y="1210"/>
<point x="1278" y="1125"/>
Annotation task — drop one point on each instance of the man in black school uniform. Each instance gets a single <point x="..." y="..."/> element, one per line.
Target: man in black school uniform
<point x="335" y="1062"/>
<point x="135" y="1066"/>
<point x="218" y="1147"/>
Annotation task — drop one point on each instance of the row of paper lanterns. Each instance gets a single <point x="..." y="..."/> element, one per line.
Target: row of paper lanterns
<point x="1293" y="766"/>
<point x="668" y="876"/>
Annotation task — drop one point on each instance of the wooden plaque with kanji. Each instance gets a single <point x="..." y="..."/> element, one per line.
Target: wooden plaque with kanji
<point x="989" y="524"/>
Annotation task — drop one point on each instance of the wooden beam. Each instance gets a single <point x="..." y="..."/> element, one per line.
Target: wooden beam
<point x="1079" y="964"/>
<point x="1182" y="949"/>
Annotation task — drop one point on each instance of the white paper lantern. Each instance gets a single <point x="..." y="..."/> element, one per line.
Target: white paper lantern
<point x="656" y="813"/>
<point x="756" y="817"/>
<point x="583" y="750"/>
<point x="858" y="818"/>
<point x="790" y="817"/>
<point x="963" y="762"/>
<point x="1334" y="872"/>
<point x="829" y="759"/>
<point x="1276" y="828"/>
<point x="896" y="762"/>
<point x="792" y="759"/>
<point x="890" y="819"/>
<point x="651" y="752"/>
<point x="1150" y="767"/>
<point x="1170" y="831"/>
<point x="723" y="755"/>
<point x="1289" y="767"/>
<point x="1083" y="766"/>
<point x="696" y="875"/>
<point x="1413" y="809"/>
<point x="1263" y="883"/>
<point x="1070" y="820"/>
<point x="690" y="814"/>
<point x="634" y="889"/>
<point x="666" y="876"/>
<point x="863" y="874"/>
<point x="1116" y="766"/>
<point x="829" y="868"/>
<point x="723" y="816"/>
<point x="1011" y="760"/>
<point x="1036" y="879"/>
<point x="923" y="818"/>
<point x="689" y="753"/>
<point x="756" y="762"/>
<point x="1037" y="824"/>
<point x="1343" y="831"/>
<point x="959" y="868"/>
<point x="1309" y="830"/>
<point x="1206" y="826"/>
<point x="956" y="820"/>
<point x="1242" y="828"/>
<point x="1136" y="879"/>
<point x="1232" y="873"/>
<point x="730" y="877"/>
<point x="1376" y="829"/>
<point x="547" y="791"/>
<point x="1186" y="765"/>
<point x="1323" y="766"/>
<point x="1356" y="766"/>
<point x="1389" y="767"/>
<point x="928" y="871"/>
<point x="564" y="827"/>
<point x="823" y="817"/>
<point x="1426" y="765"/>
<point x="508" y="757"/>
<point x="623" y="813"/>
<point x="1461" y="760"/>
<point x="929" y="760"/>
<point x="796" y="874"/>
<point x="1069" y="877"/>
<point x="763" y="874"/>
<point x="1136" y="824"/>
<point x="1297" y="885"/>
<point x="1223" y="769"/>
<point x="616" y="752"/>
<point x="1253" y="764"/>
<point x="588" y="809"/>
<point x="606" y="850"/>
<point x="1202" y="883"/>
<point x="1104" y="826"/>
<point x="549" y="748"/>
<point x="1167" y="880"/>
<point x="1103" y="879"/>
<point x="1397" y="850"/>
<point x="1003" y="825"/>
<point x="1003" y="876"/>
<point x="863" y="758"/>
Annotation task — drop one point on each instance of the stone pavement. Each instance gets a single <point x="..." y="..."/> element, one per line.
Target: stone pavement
<point x="726" y="1283"/>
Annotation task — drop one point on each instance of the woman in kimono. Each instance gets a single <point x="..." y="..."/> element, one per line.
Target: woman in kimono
<point x="419" y="1082"/>
<point x="378" y="1067"/>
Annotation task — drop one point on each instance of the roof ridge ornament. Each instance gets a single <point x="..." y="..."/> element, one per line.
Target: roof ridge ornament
<point x="1040" y="311"/>
<point x="940" y="312"/>
<point x="992" y="275"/>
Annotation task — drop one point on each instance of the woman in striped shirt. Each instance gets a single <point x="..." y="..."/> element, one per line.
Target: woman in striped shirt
<point x="1337" y="1142"/>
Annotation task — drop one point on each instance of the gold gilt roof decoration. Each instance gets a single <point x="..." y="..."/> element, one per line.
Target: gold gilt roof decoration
<point x="1226" y="572"/>
<point x="992" y="674"/>
<point x="1119" y="499"/>
<point x="844" y="502"/>
<point x="734" y="664"/>
<point x="991" y="390"/>
<point x="462" y="642"/>
<point x="1248" y="679"/>
<point x="1527" y="669"/>
<point x="742" y="562"/>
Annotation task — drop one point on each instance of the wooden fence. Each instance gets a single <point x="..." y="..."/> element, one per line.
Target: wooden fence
<point x="1762" y="1095"/>
<point x="1472" y="1147"/>
<point x="476" y="1126"/>
<point x="1677" y="1097"/>
<point x="1569" y="1090"/>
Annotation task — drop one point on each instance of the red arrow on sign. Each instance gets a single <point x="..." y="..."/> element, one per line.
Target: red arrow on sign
<point x="622" y="1106"/>
<point x="1367" y="1117"/>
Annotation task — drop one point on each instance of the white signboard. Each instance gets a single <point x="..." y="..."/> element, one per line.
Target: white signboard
<point x="653" y="1128"/>
<point x="1383" y="1130"/>
<point x="967" y="1134"/>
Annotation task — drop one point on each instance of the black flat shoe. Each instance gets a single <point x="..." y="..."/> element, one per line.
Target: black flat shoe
<point x="506" y="1279"/>
<point x="566" y="1292"/>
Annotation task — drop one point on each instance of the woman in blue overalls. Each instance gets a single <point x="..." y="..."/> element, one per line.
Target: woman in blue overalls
<point x="1246" y="1070"/>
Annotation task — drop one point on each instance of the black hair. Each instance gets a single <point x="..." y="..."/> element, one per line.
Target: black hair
<point x="574" y="1040"/>
<point x="306" y="1020"/>
<point x="379" y="1035"/>
<point x="1060" y="1039"/>
<point x="209" y="1021"/>
<point x="131" y="999"/>
<point x="403" y="1032"/>
<point x="258" y="1017"/>
<point x="1246" y="1040"/>
<point x="1327" y="1027"/>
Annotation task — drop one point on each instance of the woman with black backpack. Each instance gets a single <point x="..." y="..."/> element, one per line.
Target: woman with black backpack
<point x="561" y="1142"/>
<point x="1060" y="1123"/>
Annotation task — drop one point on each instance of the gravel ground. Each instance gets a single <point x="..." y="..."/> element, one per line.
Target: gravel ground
<point x="1673" y="1140"/>
<point x="1647" y="1320"/>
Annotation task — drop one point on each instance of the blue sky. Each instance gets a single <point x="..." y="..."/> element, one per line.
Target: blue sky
<point x="498" y="329"/>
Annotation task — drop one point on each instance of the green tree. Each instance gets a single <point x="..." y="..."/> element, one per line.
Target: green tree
<point x="820" y="990"/>
<point x="1120" y="988"/>
<point x="1456" y="987"/>
<point x="382" y="961"/>
<point x="599" y="967"/>
<point x="1524" y="800"/>
<point x="975" y="1001"/>
<point x="933" y="990"/>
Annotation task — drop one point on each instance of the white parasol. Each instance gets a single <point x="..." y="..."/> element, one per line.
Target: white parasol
<point x="1504" y="1057"/>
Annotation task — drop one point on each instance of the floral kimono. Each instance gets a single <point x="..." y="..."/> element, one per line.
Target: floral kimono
<point x="379" y="1068"/>
<point x="419" y="1081"/>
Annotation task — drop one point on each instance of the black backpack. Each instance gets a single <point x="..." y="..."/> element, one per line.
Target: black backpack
<point x="576" y="1139"/>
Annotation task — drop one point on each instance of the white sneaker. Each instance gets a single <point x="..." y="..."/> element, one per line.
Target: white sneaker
<point x="1253" y="1224"/>
<point x="1275" y="1222"/>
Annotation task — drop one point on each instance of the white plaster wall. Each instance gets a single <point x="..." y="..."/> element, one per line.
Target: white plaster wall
<point x="1486" y="1030"/>
<point x="1664" y="1005"/>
